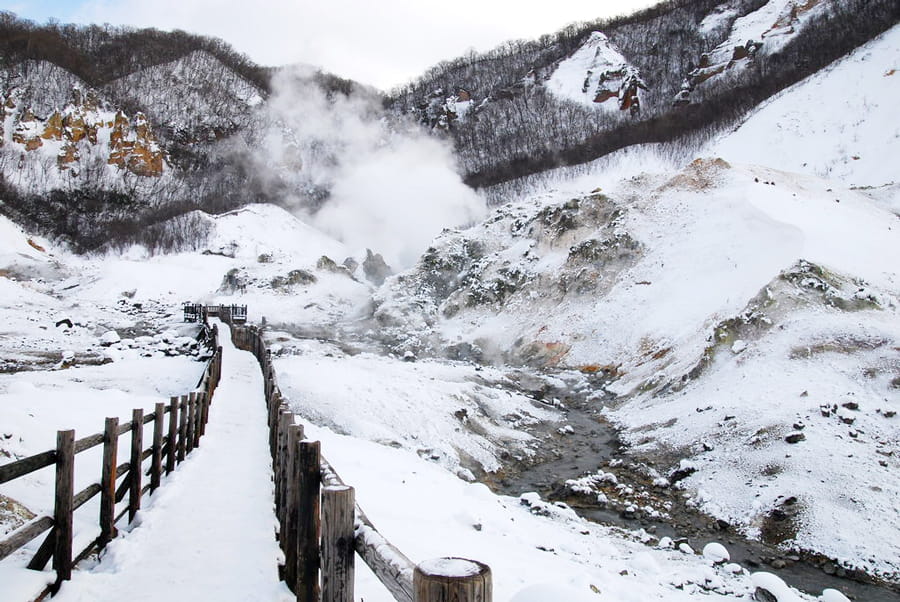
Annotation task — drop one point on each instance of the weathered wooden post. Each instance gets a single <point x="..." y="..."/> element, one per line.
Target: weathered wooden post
<point x="108" y="481"/>
<point x="64" y="504"/>
<point x="288" y="529"/>
<point x="182" y="427"/>
<point x="191" y="422"/>
<point x="308" y="480"/>
<point x="204" y="413"/>
<point x="285" y="419"/>
<point x="338" y="543"/>
<point x="134" y="469"/>
<point x="173" y="434"/>
<point x="156" y="462"/>
<point x="452" y="580"/>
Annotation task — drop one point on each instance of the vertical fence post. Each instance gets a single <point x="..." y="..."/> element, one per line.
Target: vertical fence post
<point x="289" y="514"/>
<point x="191" y="422"/>
<point x="134" y="470"/>
<point x="281" y="467"/>
<point x="204" y="413"/>
<point x="64" y="504"/>
<point x="457" y="579"/>
<point x="182" y="427"/>
<point x="308" y="483"/>
<point x="108" y="481"/>
<point x="338" y="543"/>
<point x="156" y="462"/>
<point x="173" y="434"/>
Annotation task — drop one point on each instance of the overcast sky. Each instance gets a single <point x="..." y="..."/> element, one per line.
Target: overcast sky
<point x="380" y="42"/>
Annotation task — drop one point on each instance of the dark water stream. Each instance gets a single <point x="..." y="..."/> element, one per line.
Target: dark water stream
<point x="594" y="443"/>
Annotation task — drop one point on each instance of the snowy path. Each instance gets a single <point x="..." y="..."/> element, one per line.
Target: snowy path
<point x="208" y="532"/>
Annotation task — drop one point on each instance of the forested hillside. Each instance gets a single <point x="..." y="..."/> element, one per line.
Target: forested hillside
<point x="701" y="65"/>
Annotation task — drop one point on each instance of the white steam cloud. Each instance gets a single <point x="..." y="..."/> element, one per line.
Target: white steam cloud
<point x="393" y="187"/>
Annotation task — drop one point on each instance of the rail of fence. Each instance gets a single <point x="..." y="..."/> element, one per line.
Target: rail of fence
<point x="321" y="526"/>
<point x="188" y="415"/>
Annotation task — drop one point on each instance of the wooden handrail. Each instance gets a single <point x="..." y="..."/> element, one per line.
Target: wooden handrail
<point x="58" y="543"/>
<point x="406" y="581"/>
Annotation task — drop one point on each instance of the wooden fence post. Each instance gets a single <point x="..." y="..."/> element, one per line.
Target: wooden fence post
<point x="156" y="462"/>
<point x="338" y="543"/>
<point x="204" y="413"/>
<point x="182" y="427"/>
<point x="173" y="434"/>
<point x="191" y="422"/>
<point x="64" y="504"/>
<point x="452" y="579"/>
<point x="134" y="470"/>
<point x="288" y="529"/>
<point x="308" y="483"/>
<point x="285" y="419"/>
<point x="108" y="481"/>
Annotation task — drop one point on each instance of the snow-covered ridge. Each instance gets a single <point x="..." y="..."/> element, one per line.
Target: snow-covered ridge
<point x="194" y="94"/>
<point x="765" y="30"/>
<point x="597" y="74"/>
<point x="839" y="123"/>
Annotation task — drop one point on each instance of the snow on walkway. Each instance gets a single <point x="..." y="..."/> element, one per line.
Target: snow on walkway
<point x="208" y="532"/>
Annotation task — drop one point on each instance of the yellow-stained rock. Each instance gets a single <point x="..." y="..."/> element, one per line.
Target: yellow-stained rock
<point x="53" y="129"/>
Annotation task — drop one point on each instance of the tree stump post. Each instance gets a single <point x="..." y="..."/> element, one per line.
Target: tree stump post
<point x="108" y="481"/>
<point x="134" y="470"/>
<point x="452" y="580"/>
<point x="338" y="543"/>
<point x="64" y="504"/>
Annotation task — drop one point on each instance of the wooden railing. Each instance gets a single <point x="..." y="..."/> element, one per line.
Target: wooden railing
<point x="311" y="499"/>
<point x="188" y="415"/>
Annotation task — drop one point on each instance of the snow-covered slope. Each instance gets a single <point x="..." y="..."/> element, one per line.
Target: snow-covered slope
<point x="838" y="124"/>
<point x="765" y="30"/>
<point x="194" y="95"/>
<point x="598" y="74"/>
<point x="686" y="290"/>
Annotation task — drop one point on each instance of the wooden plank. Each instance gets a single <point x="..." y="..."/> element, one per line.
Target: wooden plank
<point x="306" y="587"/>
<point x="173" y="434"/>
<point x="63" y="505"/>
<point x="24" y="534"/>
<point x="88" y="442"/>
<point x="159" y="417"/>
<point x="44" y="553"/>
<point x="182" y="427"/>
<point x="390" y="565"/>
<point x="338" y="549"/>
<point x="25" y="466"/>
<point x="452" y="579"/>
<point x="85" y="495"/>
<point x="125" y="428"/>
<point x="134" y="474"/>
<point x="108" y="481"/>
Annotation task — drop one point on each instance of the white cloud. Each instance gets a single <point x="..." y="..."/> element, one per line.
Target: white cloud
<point x="382" y="43"/>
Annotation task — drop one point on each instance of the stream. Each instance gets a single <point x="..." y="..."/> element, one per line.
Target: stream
<point x="593" y="444"/>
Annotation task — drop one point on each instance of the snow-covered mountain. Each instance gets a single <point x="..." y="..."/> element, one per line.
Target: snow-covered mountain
<point x="697" y="332"/>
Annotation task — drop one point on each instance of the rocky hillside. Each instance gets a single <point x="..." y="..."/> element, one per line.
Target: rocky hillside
<point x="678" y="69"/>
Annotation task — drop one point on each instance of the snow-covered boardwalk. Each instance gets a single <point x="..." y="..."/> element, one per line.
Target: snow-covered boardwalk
<point x="208" y="532"/>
